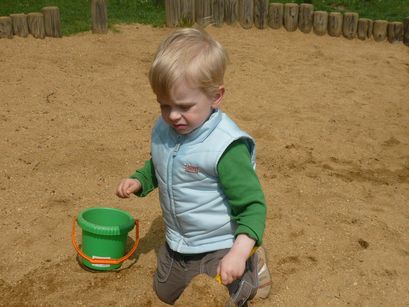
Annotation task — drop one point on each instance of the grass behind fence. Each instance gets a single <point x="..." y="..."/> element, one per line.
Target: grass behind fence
<point x="75" y="14"/>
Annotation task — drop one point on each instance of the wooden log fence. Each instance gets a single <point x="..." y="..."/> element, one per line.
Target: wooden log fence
<point x="6" y="30"/>
<point x="248" y="13"/>
<point x="230" y="11"/>
<point x="47" y="22"/>
<point x="99" y="16"/>
<point x="363" y="28"/>
<point x="350" y="25"/>
<point x="320" y="24"/>
<point x="38" y="24"/>
<point x="335" y="20"/>
<point x="187" y="10"/>
<point x="305" y="17"/>
<point x="395" y="32"/>
<point x="275" y="15"/>
<point x="52" y="24"/>
<point x="35" y="23"/>
<point x="203" y="12"/>
<point x="379" y="30"/>
<point x="218" y="12"/>
<point x="291" y="16"/>
<point x="406" y="31"/>
<point x="261" y="13"/>
<point x="20" y="26"/>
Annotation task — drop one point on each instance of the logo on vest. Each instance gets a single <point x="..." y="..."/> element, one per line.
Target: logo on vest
<point x="191" y="169"/>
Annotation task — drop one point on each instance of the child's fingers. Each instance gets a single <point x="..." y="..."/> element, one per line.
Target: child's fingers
<point x="126" y="187"/>
<point x="131" y="187"/>
<point x="225" y="278"/>
<point x="222" y="276"/>
<point x="122" y="189"/>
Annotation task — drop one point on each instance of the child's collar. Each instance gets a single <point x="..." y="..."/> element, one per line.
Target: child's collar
<point x="200" y="133"/>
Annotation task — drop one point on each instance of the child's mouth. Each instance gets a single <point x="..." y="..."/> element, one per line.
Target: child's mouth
<point x="180" y="127"/>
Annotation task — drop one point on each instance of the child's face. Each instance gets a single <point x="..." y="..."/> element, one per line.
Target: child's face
<point x="188" y="108"/>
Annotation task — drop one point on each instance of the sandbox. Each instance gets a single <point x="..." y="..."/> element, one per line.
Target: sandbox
<point x="330" y="117"/>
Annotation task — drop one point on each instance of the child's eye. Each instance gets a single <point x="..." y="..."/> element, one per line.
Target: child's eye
<point x="185" y="108"/>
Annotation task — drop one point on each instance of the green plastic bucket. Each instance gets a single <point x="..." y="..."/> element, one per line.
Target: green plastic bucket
<point x="104" y="236"/>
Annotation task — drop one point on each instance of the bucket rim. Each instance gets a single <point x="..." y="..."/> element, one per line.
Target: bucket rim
<point x="91" y="227"/>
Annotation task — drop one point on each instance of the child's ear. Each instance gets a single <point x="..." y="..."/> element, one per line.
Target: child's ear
<point x="218" y="98"/>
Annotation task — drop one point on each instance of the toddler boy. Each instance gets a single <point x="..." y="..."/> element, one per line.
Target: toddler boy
<point x="212" y="203"/>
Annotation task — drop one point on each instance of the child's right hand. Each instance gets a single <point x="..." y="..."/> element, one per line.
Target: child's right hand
<point x="127" y="186"/>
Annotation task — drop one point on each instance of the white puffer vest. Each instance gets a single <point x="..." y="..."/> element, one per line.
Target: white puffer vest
<point x="195" y="210"/>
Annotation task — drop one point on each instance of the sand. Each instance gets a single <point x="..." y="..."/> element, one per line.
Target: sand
<point x="204" y="291"/>
<point x="330" y="117"/>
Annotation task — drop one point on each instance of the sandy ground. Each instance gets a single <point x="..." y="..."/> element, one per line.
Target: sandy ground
<point x="330" y="117"/>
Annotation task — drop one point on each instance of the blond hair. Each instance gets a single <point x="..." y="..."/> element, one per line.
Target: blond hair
<point x="189" y="54"/>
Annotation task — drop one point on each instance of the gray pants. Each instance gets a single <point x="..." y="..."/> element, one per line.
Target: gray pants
<point x="175" y="271"/>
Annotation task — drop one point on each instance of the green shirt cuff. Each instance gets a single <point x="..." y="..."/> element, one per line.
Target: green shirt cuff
<point x="146" y="176"/>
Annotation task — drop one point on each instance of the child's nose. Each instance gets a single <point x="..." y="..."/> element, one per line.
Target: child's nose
<point x="174" y="115"/>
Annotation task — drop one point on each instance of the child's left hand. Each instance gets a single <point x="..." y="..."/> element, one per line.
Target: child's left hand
<point x="231" y="267"/>
<point x="233" y="264"/>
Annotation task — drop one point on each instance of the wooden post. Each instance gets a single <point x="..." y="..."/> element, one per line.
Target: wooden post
<point x="335" y="24"/>
<point x="380" y="28"/>
<point x="99" y="16"/>
<point x="320" y="22"/>
<point x="218" y="12"/>
<point x="172" y="11"/>
<point x="203" y="12"/>
<point x="291" y="16"/>
<point x="350" y="25"/>
<point x="370" y="28"/>
<point x="187" y="12"/>
<point x="261" y="13"/>
<point x="305" y="17"/>
<point x="20" y="26"/>
<point x="6" y="27"/>
<point x="363" y="28"/>
<point x="246" y="13"/>
<point x="406" y="31"/>
<point x="230" y="11"/>
<point x="35" y="23"/>
<point x="52" y="23"/>
<point x="395" y="32"/>
<point x="275" y="15"/>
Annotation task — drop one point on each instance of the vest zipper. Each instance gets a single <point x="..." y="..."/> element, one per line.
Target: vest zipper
<point x="170" y="182"/>
<point x="176" y="149"/>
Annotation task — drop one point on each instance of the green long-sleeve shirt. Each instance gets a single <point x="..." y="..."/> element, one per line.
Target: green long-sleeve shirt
<point x="240" y="185"/>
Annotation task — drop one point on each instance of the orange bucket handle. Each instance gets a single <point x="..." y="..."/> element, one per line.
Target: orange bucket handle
<point x="105" y="261"/>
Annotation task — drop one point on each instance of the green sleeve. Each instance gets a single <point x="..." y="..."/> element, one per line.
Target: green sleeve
<point x="243" y="190"/>
<point x="146" y="176"/>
